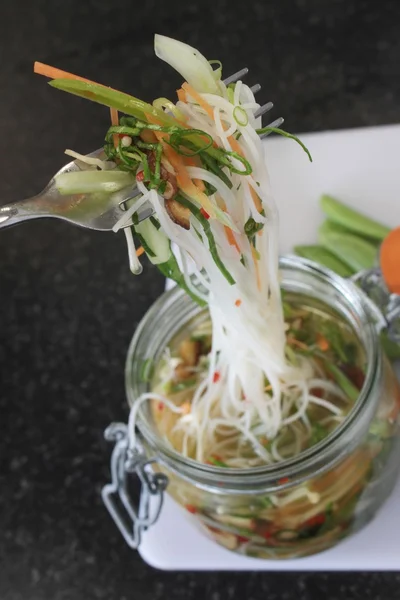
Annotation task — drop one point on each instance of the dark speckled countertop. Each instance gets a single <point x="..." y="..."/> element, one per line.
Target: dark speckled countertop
<point x="68" y="304"/>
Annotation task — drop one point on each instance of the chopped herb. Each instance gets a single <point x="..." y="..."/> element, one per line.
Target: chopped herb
<point x="251" y="227"/>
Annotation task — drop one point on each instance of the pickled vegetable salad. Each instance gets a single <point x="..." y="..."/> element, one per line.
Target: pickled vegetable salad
<point x="200" y="163"/>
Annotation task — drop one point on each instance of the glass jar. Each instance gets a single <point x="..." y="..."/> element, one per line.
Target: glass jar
<point x="295" y="508"/>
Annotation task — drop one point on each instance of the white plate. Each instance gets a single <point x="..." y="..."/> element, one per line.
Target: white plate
<point x="360" y="167"/>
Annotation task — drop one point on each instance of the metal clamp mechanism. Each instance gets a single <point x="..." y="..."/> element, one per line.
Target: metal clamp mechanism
<point x="132" y="520"/>
<point x="372" y="283"/>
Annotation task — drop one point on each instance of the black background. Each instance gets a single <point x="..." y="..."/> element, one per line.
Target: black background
<point x="68" y="304"/>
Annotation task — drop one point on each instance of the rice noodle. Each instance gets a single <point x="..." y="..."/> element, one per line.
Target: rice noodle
<point x="248" y="338"/>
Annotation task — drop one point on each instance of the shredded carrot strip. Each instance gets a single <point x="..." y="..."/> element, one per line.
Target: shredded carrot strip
<point x="257" y="268"/>
<point x="139" y="251"/>
<point x="238" y="302"/>
<point x="210" y="111"/>
<point x="54" y="73"/>
<point x="322" y="343"/>
<point x="191" y="162"/>
<point x="148" y="136"/>
<point x="389" y="260"/>
<point x="197" y="98"/>
<point x="114" y="121"/>
<point x="256" y="200"/>
<point x="181" y="95"/>
<point x="182" y="176"/>
<point x="230" y="236"/>
<point x="235" y="145"/>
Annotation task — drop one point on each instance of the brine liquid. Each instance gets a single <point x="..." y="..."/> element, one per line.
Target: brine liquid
<point x="314" y="333"/>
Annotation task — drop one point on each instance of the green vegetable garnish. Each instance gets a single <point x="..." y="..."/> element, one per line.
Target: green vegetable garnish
<point x="285" y="134"/>
<point x="351" y="219"/>
<point x="352" y="250"/>
<point x="207" y="230"/>
<point x="324" y="257"/>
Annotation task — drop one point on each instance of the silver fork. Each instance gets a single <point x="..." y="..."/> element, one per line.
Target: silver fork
<point x="100" y="213"/>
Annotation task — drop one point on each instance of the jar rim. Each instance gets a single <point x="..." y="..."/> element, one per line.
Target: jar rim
<point x="318" y="457"/>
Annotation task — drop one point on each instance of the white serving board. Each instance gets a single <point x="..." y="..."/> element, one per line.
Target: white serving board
<point x="362" y="168"/>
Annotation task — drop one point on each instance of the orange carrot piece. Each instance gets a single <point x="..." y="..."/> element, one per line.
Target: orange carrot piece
<point x="190" y="162"/>
<point x="235" y="145"/>
<point x="181" y="95"/>
<point x="182" y="176"/>
<point x="230" y="236"/>
<point x="54" y="73"/>
<point x="148" y="136"/>
<point x="197" y="98"/>
<point x="139" y="251"/>
<point x="210" y="111"/>
<point x="256" y="200"/>
<point x="238" y="302"/>
<point x="322" y="342"/>
<point x="390" y="260"/>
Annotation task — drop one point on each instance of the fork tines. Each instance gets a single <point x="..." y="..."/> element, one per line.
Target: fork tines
<point x="262" y="109"/>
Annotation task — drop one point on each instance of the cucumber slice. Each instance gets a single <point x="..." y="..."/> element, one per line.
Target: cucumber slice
<point x="154" y="240"/>
<point x="90" y="182"/>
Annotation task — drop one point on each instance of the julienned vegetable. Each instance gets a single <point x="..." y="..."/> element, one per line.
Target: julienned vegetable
<point x="351" y="249"/>
<point x="326" y="258"/>
<point x="272" y="378"/>
<point x="344" y="257"/>
<point x="352" y="220"/>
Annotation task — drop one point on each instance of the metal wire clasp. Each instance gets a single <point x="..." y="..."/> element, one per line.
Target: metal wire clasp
<point x="372" y="283"/>
<point x="126" y="462"/>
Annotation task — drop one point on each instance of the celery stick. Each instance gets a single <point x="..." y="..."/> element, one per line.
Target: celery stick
<point x="324" y="257"/>
<point x="354" y="251"/>
<point x="109" y="97"/>
<point x="354" y="221"/>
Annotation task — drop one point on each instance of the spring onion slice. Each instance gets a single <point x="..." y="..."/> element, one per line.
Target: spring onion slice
<point x="287" y="135"/>
<point x="207" y="230"/>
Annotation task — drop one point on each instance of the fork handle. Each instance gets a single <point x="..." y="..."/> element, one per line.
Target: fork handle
<point x="18" y="212"/>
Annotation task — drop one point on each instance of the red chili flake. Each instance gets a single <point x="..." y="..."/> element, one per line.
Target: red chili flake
<point x="216" y="377"/>
<point x="283" y="480"/>
<point x="267" y="535"/>
<point x="160" y="406"/>
<point x="140" y="176"/>
<point x="204" y="213"/>
<point x="190" y="508"/>
<point x="317" y="520"/>
<point x="242" y="539"/>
